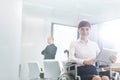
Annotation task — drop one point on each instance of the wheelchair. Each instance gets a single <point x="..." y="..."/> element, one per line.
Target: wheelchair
<point x="113" y="75"/>
<point x="71" y="71"/>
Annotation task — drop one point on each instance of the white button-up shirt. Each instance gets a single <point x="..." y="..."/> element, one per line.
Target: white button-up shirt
<point x="79" y="51"/>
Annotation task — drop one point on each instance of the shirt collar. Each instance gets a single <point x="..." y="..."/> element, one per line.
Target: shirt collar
<point x="84" y="41"/>
<point x="50" y="43"/>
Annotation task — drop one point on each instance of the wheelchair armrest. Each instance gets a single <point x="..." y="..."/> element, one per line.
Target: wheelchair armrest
<point x="72" y="69"/>
<point x="70" y="64"/>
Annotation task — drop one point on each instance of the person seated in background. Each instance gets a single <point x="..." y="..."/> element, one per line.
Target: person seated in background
<point x="84" y="52"/>
<point x="50" y="51"/>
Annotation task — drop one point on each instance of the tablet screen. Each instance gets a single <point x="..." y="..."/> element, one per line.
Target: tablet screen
<point x="104" y="57"/>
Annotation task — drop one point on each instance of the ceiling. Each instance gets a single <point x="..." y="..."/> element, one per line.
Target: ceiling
<point x="96" y="11"/>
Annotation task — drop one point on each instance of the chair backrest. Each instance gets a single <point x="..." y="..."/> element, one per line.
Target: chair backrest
<point x="33" y="71"/>
<point x="52" y="69"/>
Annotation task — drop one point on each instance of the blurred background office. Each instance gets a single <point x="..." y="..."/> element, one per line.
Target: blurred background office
<point x="25" y="25"/>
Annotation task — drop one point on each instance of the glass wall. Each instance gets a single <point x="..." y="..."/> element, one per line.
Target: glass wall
<point x="110" y="35"/>
<point x="63" y="36"/>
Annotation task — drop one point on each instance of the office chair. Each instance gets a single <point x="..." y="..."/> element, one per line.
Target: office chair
<point x="52" y="69"/>
<point x="33" y="71"/>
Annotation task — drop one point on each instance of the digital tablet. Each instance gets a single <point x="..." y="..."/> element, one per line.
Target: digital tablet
<point x="104" y="56"/>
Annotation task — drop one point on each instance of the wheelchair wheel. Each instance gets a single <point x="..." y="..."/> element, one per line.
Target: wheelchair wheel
<point x="66" y="76"/>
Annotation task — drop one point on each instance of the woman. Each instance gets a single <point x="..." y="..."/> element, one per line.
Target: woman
<point x="84" y="52"/>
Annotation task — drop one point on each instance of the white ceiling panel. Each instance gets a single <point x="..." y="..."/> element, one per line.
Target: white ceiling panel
<point x="96" y="11"/>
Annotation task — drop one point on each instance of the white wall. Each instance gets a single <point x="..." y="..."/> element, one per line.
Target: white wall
<point x="10" y="38"/>
<point x="34" y="38"/>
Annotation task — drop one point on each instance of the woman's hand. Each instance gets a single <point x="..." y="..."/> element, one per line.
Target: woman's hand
<point x="113" y="58"/>
<point x="89" y="61"/>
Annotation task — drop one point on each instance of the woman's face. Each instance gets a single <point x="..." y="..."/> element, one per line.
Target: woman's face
<point x="84" y="32"/>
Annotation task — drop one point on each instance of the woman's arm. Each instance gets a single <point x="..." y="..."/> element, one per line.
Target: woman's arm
<point x="72" y="57"/>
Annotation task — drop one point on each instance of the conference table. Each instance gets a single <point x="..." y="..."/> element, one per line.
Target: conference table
<point x="113" y="67"/>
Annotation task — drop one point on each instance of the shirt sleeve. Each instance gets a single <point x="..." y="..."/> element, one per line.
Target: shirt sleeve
<point x="44" y="51"/>
<point x="72" y="57"/>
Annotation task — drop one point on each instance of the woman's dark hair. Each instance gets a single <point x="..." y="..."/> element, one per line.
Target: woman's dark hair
<point x="84" y="24"/>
